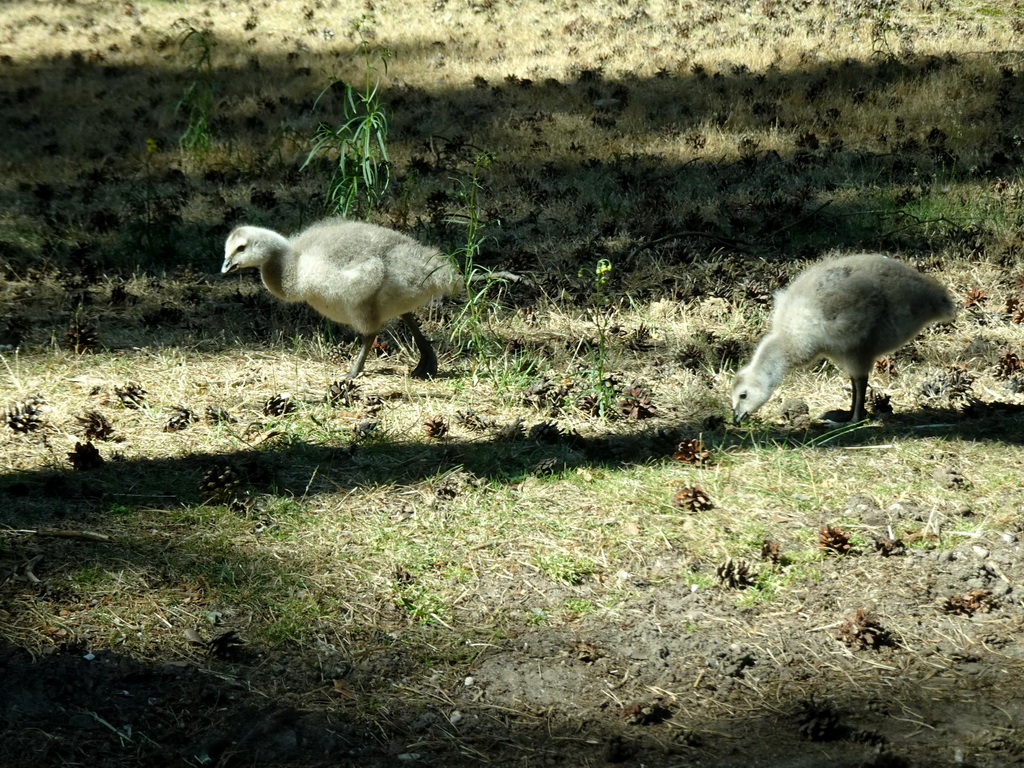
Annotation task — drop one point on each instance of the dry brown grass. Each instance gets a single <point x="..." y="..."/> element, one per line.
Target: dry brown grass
<point x="707" y="154"/>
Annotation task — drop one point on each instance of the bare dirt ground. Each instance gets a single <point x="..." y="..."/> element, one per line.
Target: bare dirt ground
<point x="675" y="677"/>
<point x="537" y="586"/>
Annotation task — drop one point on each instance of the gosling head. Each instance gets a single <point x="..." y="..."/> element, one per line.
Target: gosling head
<point x="749" y="392"/>
<point x="250" y="247"/>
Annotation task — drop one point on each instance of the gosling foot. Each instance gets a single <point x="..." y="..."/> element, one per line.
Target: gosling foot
<point x="427" y="369"/>
<point x="843" y="417"/>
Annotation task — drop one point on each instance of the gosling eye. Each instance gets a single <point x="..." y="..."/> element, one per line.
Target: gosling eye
<point x="743" y="395"/>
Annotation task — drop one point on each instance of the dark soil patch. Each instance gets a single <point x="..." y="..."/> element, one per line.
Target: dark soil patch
<point x="676" y="677"/>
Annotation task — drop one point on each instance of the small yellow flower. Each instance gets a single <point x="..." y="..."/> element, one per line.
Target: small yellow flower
<point x="151" y="146"/>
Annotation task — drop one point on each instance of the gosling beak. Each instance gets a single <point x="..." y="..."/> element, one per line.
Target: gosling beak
<point x="738" y="417"/>
<point x="229" y="266"/>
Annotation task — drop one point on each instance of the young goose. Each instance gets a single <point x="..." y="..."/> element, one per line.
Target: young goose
<point x="352" y="272"/>
<point x="852" y="310"/>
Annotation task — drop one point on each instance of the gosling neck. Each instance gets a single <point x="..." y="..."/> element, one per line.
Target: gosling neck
<point x="770" y="361"/>
<point x="278" y="271"/>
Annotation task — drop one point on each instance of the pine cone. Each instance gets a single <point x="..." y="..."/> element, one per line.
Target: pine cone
<point x="435" y="427"/>
<point x="756" y="291"/>
<point x="473" y="421"/>
<point x="818" y="720"/>
<point x="343" y="393"/>
<point x="364" y="428"/>
<point x="589" y="403"/>
<point x="975" y="297"/>
<point x="646" y="713"/>
<point x="736" y="574"/>
<point x="639" y="339"/>
<point x="85" y="456"/>
<point x="510" y="433"/>
<point x="691" y="452"/>
<point x="833" y="539"/>
<point x="121" y="297"/>
<point x="25" y="416"/>
<point x="218" y="415"/>
<point x="131" y="395"/>
<point x="546" y="395"/>
<point x="279" y="405"/>
<point x="1008" y="365"/>
<point x="372" y="404"/>
<point x="179" y="420"/>
<point x="573" y="439"/>
<point x="1015" y="309"/>
<point x="770" y="551"/>
<point x="665" y="440"/>
<point x="82" y="338"/>
<point x="610" y="448"/>
<point x="730" y="351"/>
<point x="637" y="404"/>
<point x="969" y="603"/>
<point x="881" y="404"/>
<point x="692" y="498"/>
<point x="955" y="384"/>
<point x="226" y="646"/>
<point x="95" y="426"/>
<point x="220" y="483"/>
<point x="545" y="432"/>
<point x="886" y="366"/>
<point x="889" y="547"/>
<point x="549" y="466"/>
<point x="449" y="487"/>
<point x="1014" y="384"/>
<point x="515" y="346"/>
<point x="691" y="357"/>
<point x="862" y="630"/>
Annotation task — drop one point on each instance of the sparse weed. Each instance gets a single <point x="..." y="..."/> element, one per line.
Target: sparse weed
<point x="579" y="605"/>
<point x="154" y="215"/>
<point x="565" y="568"/>
<point x="91" y="578"/>
<point x="468" y="327"/>
<point x="357" y="148"/>
<point x="422" y="604"/>
<point x="196" y="45"/>
<point x="536" y="618"/>
<point x="600" y="384"/>
<point x="698" y="580"/>
<point x="885" y="27"/>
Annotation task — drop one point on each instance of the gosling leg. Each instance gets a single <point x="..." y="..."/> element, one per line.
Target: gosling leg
<point x="860" y="393"/>
<point x="357" y="364"/>
<point x="857" y="410"/>
<point x="427" y="367"/>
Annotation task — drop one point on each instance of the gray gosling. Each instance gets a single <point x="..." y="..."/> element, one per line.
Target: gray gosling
<point x="352" y="272"/>
<point x="851" y="310"/>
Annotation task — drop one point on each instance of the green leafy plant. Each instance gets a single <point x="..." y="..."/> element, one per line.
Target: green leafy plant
<point x="422" y="604"/>
<point x="357" y="146"/>
<point x="197" y="101"/>
<point x="884" y="26"/>
<point x="468" y="328"/>
<point x="565" y="568"/>
<point x="601" y="387"/>
<point x="580" y="605"/>
<point x="154" y="215"/>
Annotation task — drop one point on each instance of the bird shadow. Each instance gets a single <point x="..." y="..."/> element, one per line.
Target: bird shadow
<point x="292" y="467"/>
<point x="973" y="420"/>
